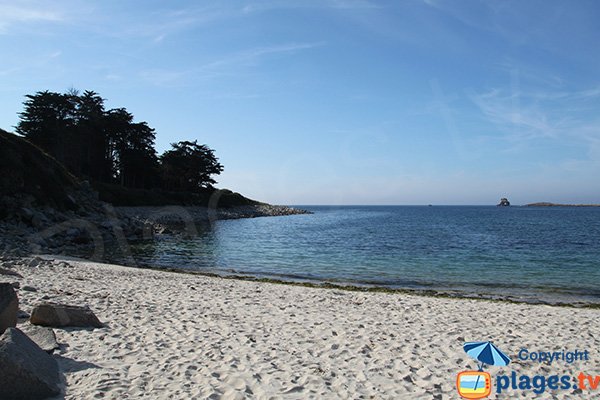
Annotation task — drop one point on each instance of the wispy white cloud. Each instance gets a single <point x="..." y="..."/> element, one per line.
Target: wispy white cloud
<point x="160" y="25"/>
<point x="256" y="53"/>
<point x="163" y="77"/>
<point x="9" y="71"/>
<point x="15" y="66"/>
<point x="539" y="112"/>
<point x="590" y="93"/>
<point x="441" y="104"/>
<point x="524" y="118"/>
<point x="262" y="6"/>
<point x="233" y="64"/>
<point x="353" y="4"/>
<point x="113" y="77"/>
<point x="525" y="121"/>
<point x="499" y="18"/>
<point x="532" y="75"/>
<point x="12" y="14"/>
<point x="240" y="62"/>
<point x="230" y="96"/>
<point x="465" y="15"/>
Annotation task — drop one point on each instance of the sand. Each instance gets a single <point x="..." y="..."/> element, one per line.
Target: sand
<point x="182" y="336"/>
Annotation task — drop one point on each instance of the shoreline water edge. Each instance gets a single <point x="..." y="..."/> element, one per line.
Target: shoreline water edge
<point x="187" y="334"/>
<point x="107" y="237"/>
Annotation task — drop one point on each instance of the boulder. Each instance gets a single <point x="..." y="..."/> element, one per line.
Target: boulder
<point x="26" y="214"/>
<point x="35" y="262"/>
<point x="22" y="315"/>
<point x="73" y="232"/>
<point x="27" y="371"/>
<point x="9" y="306"/>
<point x="38" y="220"/>
<point x="60" y="315"/>
<point x="42" y="336"/>
<point x="8" y="272"/>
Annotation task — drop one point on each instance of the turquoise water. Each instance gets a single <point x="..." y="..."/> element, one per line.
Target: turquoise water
<point x="535" y="253"/>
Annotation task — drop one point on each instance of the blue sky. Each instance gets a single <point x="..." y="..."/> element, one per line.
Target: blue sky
<point x="338" y="102"/>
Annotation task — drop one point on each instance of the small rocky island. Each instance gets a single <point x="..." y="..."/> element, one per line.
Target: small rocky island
<point x="504" y="202"/>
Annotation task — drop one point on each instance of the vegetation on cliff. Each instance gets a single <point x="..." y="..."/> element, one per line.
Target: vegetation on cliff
<point x="28" y="174"/>
<point x="112" y="151"/>
<point x="110" y="147"/>
<point x="30" y="177"/>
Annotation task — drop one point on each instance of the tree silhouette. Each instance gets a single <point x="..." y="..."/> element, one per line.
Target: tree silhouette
<point x="189" y="166"/>
<point x="91" y="132"/>
<point x="109" y="146"/>
<point x="49" y="121"/>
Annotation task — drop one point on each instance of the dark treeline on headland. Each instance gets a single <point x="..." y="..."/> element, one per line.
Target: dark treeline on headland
<point x="72" y="159"/>
<point x="116" y="153"/>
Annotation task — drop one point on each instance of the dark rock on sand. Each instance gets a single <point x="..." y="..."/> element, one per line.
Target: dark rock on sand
<point x="8" y="272"/>
<point x="9" y="306"/>
<point x="35" y="262"/>
<point x="27" y="371"/>
<point x="42" y="336"/>
<point x="60" y="315"/>
<point x="22" y="315"/>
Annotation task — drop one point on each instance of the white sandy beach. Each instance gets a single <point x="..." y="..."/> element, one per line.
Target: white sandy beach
<point x="181" y="336"/>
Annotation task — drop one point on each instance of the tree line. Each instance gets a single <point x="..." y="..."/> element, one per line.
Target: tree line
<point x="109" y="146"/>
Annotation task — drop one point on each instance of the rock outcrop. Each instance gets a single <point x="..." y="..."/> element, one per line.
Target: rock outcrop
<point x="9" y="306"/>
<point x="44" y="209"/>
<point x="504" y="202"/>
<point x="30" y="176"/>
<point x="176" y="219"/>
<point x="60" y="315"/>
<point x="27" y="372"/>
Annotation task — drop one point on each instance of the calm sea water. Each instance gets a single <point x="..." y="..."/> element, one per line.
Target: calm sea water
<point x="534" y="253"/>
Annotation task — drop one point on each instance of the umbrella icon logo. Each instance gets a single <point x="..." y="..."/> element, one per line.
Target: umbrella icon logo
<point x="478" y="384"/>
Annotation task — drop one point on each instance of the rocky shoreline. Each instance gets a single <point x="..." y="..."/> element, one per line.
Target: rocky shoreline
<point x="91" y="226"/>
<point x="174" y="217"/>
